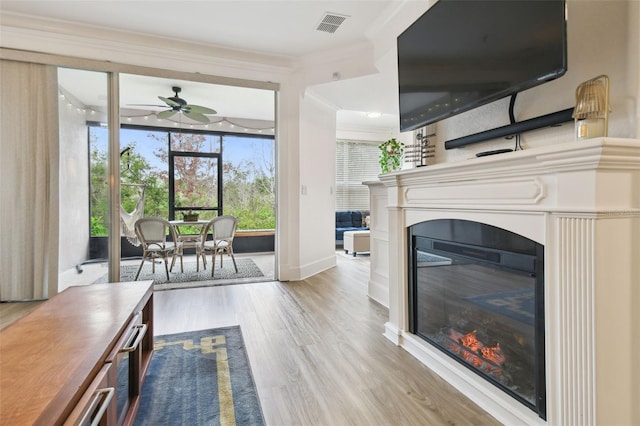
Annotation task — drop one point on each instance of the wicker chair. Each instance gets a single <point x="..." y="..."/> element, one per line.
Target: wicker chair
<point x="223" y="229"/>
<point x="152" y="233"/>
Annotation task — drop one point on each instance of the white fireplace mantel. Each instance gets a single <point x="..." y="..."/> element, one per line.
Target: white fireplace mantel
<point x="581" y="200"/>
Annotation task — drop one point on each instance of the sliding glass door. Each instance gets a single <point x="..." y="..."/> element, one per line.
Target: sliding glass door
<point x="155" y="165"/>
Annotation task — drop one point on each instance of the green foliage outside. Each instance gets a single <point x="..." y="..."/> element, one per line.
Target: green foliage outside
<point x="249" y="193"/>
<point x="156" y="199"/>
<point x="98" y="193"/>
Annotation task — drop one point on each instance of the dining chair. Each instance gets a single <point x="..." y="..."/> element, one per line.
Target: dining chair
<point x="185" y="241"/>
<point x="152" y="233"/>
<point x="223" y="229"/>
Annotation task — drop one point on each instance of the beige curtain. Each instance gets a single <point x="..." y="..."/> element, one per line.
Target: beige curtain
<point x="29" y="185"/>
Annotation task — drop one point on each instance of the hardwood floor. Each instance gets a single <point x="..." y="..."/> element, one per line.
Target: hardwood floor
<point x="9" y="312"/>
<point x="317" y="351"/>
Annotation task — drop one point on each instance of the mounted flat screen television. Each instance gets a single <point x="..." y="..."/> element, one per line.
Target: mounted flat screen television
<point x="461" y="54"/>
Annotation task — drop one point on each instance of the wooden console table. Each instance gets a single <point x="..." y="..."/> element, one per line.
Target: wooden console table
<point x="59" y="363"/>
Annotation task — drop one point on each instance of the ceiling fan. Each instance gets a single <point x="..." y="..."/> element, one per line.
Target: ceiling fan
<point x="177" y="104"/>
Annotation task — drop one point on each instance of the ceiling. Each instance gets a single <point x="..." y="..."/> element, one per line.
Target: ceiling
<point x="285" y="28"/>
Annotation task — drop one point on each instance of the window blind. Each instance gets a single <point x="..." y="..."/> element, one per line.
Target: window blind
<point x="356" y="162"/>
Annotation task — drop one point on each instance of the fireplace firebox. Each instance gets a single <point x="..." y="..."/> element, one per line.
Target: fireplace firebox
<point x="476" y="293"/>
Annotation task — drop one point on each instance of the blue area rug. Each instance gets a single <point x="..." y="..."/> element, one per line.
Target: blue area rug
<point x="519" y="304"/>
<point x="200" y="378"/>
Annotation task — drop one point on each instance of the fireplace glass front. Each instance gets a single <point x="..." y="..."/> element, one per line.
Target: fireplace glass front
<point x="476" y="293"/>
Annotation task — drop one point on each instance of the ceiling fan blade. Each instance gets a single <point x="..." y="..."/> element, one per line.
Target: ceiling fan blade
<point x="196" y="116"/>
<point x="166" y="114"/>
<point x="169" y="102"/>
<point x="200" y="109"/>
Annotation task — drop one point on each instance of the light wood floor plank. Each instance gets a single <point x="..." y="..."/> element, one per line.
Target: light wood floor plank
<point x="11" y="311"/>
<point x="318" y="354"/>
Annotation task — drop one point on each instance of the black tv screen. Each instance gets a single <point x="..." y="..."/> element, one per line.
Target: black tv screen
<point x="461" y="54"/>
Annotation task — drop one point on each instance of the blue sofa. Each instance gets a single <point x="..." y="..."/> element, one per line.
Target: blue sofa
<point x="350" y="220"/>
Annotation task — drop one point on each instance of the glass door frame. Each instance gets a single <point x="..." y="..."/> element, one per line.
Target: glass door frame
<point x="113" y="150"/>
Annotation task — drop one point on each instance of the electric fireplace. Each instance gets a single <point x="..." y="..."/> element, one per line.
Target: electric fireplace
<point x="580" y="202"/>
<point x="476" y="293"/>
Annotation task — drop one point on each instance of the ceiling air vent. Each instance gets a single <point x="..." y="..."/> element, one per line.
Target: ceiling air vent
<point x="330" y="22"/>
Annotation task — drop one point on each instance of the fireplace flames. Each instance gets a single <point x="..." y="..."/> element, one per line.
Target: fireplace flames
<point x="488" y="359"/>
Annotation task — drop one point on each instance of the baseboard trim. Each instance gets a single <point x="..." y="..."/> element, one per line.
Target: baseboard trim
<point x="392" y="333"/>
<point x="379" y="293"/>
<point x="312" y="268"/>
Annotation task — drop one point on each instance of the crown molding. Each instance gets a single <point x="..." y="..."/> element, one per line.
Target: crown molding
<point x="308" y="93"/>
<point x="346" y="52"/>
<point x="397" y="17"/>
<point x="26" y="32"/>
<point x="355" y="60"/>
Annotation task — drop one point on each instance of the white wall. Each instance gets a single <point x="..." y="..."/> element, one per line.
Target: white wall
<point x="74" y="192"/>
<point x="317" y="186"/>
<point x="306" y="175"/>
<point x="288" y="193"/>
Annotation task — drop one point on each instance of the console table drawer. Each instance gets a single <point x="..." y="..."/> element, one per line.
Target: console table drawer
<point x="125" y="359"/>
<point x="98" y="402"/>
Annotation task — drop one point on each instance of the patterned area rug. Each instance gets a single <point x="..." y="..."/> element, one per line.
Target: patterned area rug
<point x="200" y="378"/>
<point x="248" y="272"/>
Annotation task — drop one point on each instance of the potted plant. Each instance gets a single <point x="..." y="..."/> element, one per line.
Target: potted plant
<point x="391" y="153"/>
<point x="190" y="216"/>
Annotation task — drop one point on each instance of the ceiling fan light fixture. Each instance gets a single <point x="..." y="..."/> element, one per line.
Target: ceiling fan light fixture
<point x="177" y="104"/>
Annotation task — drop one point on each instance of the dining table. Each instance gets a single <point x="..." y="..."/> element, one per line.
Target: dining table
<point x="180" y="223"/>
<point x="188" y="240"/>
